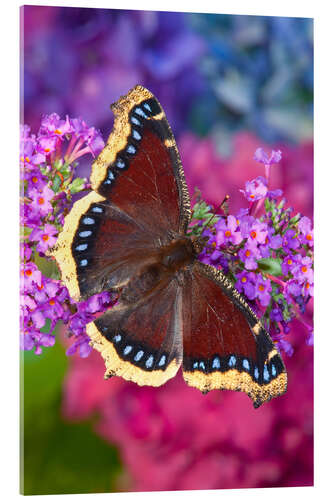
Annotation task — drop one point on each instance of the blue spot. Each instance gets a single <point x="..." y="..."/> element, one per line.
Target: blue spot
<point x="266" y="373"/>
<point x="195" y="365"/>
<point x="107" y="181"/>
<point x="256" y="373"/>
<point x="136" y="135"/>
<point x="131" y="149"/>
<point x="140" y="112"/>
<point x="117" y="338"/>
<point x="246" y="364"/>
<point x="81" y="247"/>
<point x="162" y="360"/>
<point x="83" y="262"/>
<point x="232" y="361"/>
<point x="273" y="370"/>
<point x="111" y="176"/>
<point x="85" y="234"/>
<point x="120" y="163"/>
<point x="138" y="356"/>
<point x="148" y="108"/>
<point x="149" y="362"/>
<point x="202" y="365"/>
<point x="97" y="210"/>
<point x="127" y="349"/>
<point x="216" y="363"/>
<point x="136" y="121"/>
<point x="88" y="221"/>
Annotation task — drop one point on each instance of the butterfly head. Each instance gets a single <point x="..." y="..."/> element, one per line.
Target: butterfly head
<point x="199" y="243"/>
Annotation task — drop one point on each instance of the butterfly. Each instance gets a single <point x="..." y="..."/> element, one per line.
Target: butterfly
<point x="128" y="235"/>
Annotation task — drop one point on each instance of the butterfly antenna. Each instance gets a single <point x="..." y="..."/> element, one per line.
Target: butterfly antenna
<point x="226" y="198"/>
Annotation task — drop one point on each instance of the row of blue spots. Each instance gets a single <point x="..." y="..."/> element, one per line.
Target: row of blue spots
<point x="87" y="221"/>
<point x="216" y="365"/>
<point x="138" y="356"/>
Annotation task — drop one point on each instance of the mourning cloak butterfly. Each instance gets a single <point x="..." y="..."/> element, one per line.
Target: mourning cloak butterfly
<point x="129" y="235"/>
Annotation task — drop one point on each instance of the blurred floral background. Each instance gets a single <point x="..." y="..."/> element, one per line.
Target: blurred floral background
<point x="229" y="84"/>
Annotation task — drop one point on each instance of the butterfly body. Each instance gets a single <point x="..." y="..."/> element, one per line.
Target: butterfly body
<point x="130" y="235"/>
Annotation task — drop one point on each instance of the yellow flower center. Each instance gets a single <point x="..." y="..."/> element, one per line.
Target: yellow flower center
<point x="51" y="302"/>
<point x="309" y="237"/>
<point x="57" y="131"/>
<point x="261" y="288"/>
<point x="45" y="237"/>
<point x="28" y="272"/>
<point x="228" y="233"/>
<point x="304" y="269"/>
<point x="244" y="279"/>
<point x="247" y="253"/>
<point x="289" y="262"/>
<point x="252" y="196"/>
<point x="253" y="234"/>
<point x="41" y="201"/>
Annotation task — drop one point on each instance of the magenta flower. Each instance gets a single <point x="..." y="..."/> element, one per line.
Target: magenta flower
<point x="52" y="125"/>
<point x="46" y="237"/>
<point x="289" y="263"/>
<point x="257" y="232"/>
<point x="249" y="255"/>
<point x="262" y="157"/>
<point x="30" y="274"/>
<point x="304" y="271"/>
<point x="290" y="240"/>
<point x="256" y="189"/>
<point x="306" y="231"/>
<point x="228" y="232"/>
<point x="246" y="284"/>
<point x="263" y="290"/>
<point x="41" y="200"/>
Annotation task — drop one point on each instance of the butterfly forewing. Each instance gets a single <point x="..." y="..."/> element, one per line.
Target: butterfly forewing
<point x="225" y="345"/>
<point x="139" y="169"/>
<point x="139" y="203"/>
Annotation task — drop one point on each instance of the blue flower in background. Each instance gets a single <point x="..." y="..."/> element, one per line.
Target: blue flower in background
<point x="212" y="73"/>
<point x="261" y="73"/>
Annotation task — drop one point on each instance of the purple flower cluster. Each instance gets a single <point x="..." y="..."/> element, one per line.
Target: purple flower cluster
<point x="48" y="162"/>
<point x="267" y="253"/>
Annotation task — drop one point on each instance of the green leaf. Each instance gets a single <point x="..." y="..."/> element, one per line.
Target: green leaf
<point x="65" y="170"/>
<point x="270" y="266"/>
<point x="77" y="185"/>
<point x="56" y="183"/>
<point x="48" y="267"/>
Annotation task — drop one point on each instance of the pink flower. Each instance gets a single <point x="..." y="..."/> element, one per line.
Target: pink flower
<point x="46" y="237"/>
<point x="41" y="200"/>
<point x="262" y="157"/>
<point x="228" y="231"/>
<point x="256" y="189"/>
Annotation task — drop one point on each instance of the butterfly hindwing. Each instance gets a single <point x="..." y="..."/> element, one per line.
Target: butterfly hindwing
<point x="225" y="345"/>
<point x="142" y="341"/>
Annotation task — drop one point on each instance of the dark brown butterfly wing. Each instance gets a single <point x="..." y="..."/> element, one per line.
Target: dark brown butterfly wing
<point x="140" y="201"/>
<point x="225" y="345"/>
<point x="139" y="169"/>
<point x="142" y="342"/>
